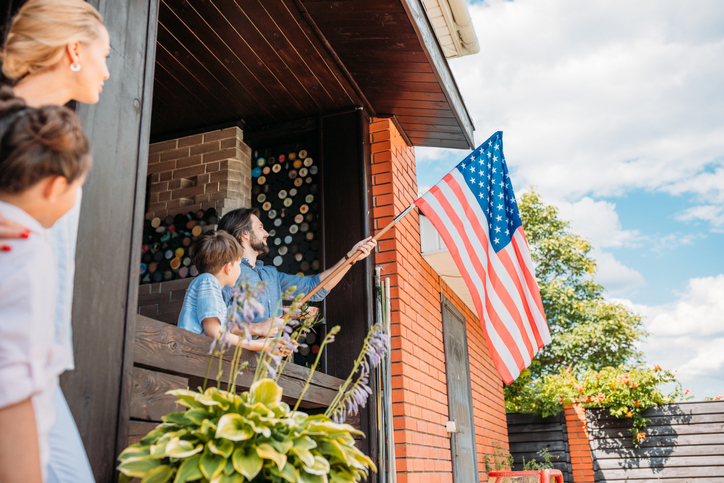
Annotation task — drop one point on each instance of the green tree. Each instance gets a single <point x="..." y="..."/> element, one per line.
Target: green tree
<point x="589" y="333"/>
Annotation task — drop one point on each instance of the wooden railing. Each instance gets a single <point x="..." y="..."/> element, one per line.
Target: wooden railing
<point x="166" y="357"/>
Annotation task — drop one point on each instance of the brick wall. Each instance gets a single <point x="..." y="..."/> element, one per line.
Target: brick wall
<point x="419" y="381"/>
<point x="578" y="444"/>
<point x="208" y="170"/>
<point x="162" y="301"/>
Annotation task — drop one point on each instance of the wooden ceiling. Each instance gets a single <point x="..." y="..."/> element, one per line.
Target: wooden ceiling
<point x="263" y="62"/>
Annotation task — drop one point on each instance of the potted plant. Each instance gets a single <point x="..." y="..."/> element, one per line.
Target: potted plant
<point x="225" y="437"/>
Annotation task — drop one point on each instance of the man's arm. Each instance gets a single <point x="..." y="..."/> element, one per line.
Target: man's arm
<point x="19" y="451"/>
<point x="365" y="246"/>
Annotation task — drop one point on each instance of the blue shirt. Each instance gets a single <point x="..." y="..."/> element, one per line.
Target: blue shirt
<point x="203" y="299"/>
<point x="276" y="284"/>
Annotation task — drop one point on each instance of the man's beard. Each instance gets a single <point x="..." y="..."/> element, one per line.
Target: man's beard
<point x="258" y="245"/>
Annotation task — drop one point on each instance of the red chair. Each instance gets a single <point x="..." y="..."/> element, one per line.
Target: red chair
<point x="542" y="476"/>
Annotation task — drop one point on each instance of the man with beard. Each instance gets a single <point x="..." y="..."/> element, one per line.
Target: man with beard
<point x="245" y="226"/>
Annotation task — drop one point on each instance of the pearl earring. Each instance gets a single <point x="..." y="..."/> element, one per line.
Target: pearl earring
<point x="74" y="67"/>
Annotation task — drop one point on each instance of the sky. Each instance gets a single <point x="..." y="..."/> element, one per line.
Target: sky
<point x="614" y="111"/>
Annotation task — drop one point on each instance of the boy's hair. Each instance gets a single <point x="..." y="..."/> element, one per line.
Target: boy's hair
<point x="237" y="222"/>
<point x="38" y="143"/>
<point x="214" y="249"/>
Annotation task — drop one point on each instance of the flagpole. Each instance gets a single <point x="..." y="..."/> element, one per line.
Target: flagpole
<point x="351" y="260"/>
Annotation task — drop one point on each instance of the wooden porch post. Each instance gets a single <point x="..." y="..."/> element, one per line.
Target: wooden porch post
<point x="108" y="248"/>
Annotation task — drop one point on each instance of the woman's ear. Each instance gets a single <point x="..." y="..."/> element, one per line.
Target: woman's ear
<point x="73" y="51"/>
<point x="54" y="187"/>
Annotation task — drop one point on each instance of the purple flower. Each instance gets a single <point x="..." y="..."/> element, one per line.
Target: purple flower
<point x="375" y="348"/>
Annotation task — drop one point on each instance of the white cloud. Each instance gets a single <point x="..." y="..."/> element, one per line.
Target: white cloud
<point x="714" y="214"/>
<point x="600" y="97"/>
<point x="617" y="278"/>
<point x="687" y="335"/>
<point x="597" y="221"/>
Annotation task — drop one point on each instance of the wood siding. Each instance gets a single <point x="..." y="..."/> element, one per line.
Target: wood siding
<point x="530" y="433"/>
<point x="257" y="61"/>
<point x="391" y="51"/>
<point x="685" y="442"/>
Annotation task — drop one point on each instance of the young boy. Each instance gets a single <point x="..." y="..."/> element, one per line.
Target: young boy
<point x="217" y="255"/>
<point x="44" y="158"/>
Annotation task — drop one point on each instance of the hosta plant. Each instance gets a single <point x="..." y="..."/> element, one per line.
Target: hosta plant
<point x="224" y="437"/>
<point x="254" y="436"/>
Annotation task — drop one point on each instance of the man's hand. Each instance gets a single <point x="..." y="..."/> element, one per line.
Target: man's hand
<point x="365" y="246"/>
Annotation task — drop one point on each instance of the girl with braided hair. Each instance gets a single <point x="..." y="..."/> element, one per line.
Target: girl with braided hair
<point x="44" y="158"/>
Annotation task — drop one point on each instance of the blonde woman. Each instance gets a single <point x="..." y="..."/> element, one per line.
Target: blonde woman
<point x="55" y="52"/>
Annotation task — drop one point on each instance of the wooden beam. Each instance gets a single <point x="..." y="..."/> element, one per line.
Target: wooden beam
<point x="167" y="348"/>
<point x="109" y="236"/>
<point x="149" y="401"/>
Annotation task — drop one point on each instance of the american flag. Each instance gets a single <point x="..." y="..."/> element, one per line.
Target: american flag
<point x="475" y="212"/>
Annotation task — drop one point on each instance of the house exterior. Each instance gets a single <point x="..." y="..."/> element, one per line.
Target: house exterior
<point x="204" y="92"/>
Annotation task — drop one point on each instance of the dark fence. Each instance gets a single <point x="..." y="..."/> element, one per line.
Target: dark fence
<point x="684" y="443"/>
<point x="529" y="433"/>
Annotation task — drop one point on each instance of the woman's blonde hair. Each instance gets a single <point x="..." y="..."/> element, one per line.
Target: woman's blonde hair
<point x="42" y="29"/>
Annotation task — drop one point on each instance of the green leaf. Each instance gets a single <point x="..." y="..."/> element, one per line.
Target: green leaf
<point x="189" y="470"/>
<point x="304" y="455"/>
<point x="340" y="476"/>
<point x="138" y="466"/>
<point x="235" y="478"/>
<point x="248" y="463"/>
<point x="186" y="397"/>
<point x="266" y="451"/>
<point x="198" y="415"/>
<point x="124" y="478"/>
<point x="159" y="450"/>
<point x="265" y="391"/>
<point x="211" y="465"/>
<point x="281" y="446"/>
<point x="304" y="442"/>
<point x="221" y="447"/>
<point x="234" y="427"/>
<point x="229" y="467"/>
<point x="158" y="475"/>
<point x="225" y="399"/>
<point x="288" y="473"/>
<point x="332" y="449"/>
<point x="178" y="448"/>
<point x="175" y="418"/>
<point x="135" y="450"/>
<point x="157" y="433"/>
<point x="305" y="477"/>
<point x="320" y="466"/>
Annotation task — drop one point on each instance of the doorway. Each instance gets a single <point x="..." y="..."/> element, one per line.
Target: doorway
<point x="460" y="400"/>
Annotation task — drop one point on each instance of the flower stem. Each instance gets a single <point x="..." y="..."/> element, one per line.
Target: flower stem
<point x="330" y="335"/>
<point x="338" y="399"/>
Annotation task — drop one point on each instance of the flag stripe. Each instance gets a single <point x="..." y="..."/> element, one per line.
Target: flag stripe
<point x="526" y="264"/>
<point x="497" y="272"/>
<point x="514" y="270"/>
<point x="502" y="357"/>
<point x="502" y="319"/>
